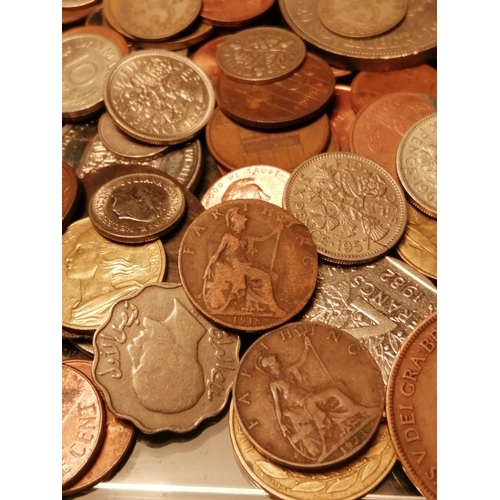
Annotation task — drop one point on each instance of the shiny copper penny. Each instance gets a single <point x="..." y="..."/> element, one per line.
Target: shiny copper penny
<point x="136" y="208"/>
<point x="83" y="424"/>
<point x="285" y="149"/>
<point x="260" y="182"/>
<point x="248" y="264"/>
<point x="118" y="437"/>
<point x="161" y="364"/>
<point x="369" y="85"/>
<point x="381" y="124"/>
<point x="264" y="54"/>
<point x="70" y="193"/>
<point x="104" y="31"/>
<point x="412" y="406"/>
<point x="286" y="103"/>
<point x="308" y="395"/>
<point x="354" y="209"/>
<point x="342" y="116"/>
<point x="205" y="58"/>
<point x="221" y="13"/>
<point x="349" y="482"/>
<point x="73" y="15"/>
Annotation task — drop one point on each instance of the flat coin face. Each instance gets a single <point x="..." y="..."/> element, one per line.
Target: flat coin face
<point x="136" y="208"/>
<point x="348" y="482"/>
<point x="248" y="264"/>
<point x="308" y="395"/>
<point x="159" y="97"/>
<point x="412" y="406"/>
<point x="104" y="31"/>
<point x="416" y="162"/>
<point x="160" y="364"/>
<point x="221" y="13"/>
<point x="70" y="193"/>
<point x="83" y="424"/>
<point x="361" y="19"/>
<point x="261" y="55"/>
<point x="285" y="103"/>
<point x="96" y="272"/>
<point x="354" y="209"/>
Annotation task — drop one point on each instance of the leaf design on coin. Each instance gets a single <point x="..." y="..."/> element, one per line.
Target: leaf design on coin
<point x="343" y="483"/>
<point x="272" y="469"/>
<point x="310" y="486"/>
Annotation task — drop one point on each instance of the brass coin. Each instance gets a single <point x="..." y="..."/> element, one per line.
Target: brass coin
<point x="412" y="406"/>
<point x="96" y="272"/>
<point x="136" y="208"/>
<point x="160" y="364"/>
<point x="248" y="264"/>
<point x="261" y="55"/>
<point x="349" y="482"/>
<point x="70" y="193"/>
<point x="354" y="209"/>
<point x="83" y="424"/>
<point x="308" y="395"/>
<point x="159" y="97"/>
<point x="416" y="162"/>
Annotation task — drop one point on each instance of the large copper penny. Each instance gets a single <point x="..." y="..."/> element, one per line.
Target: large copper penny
<point x="136" y="208"/>
<point x="160" y="364"/>
<point x="83" y="424"/>
<point x="118" y="437"/>
<point x="308" y="395"/>
<point x="354" y="209"/>
<point x="221" y="13"/>
<point x="285" y="149"/>
<point x="70" y="193"/>
<point x="412" y="406"/>
<point x="286" y="103"/>
<point x="342" y="116"/>
<point x="248" y="264"/>
<point x="205" y="58"/>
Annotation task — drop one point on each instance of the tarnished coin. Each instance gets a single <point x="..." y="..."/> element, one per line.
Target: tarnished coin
<point x="363" y="18"/>
<point x="412" y="406"/>
<point x="233" y="14"/>
<point x="354" y="209"/>
<point x="379" y="303"/>
<point x="342" y="116"/>
<point x="70" y="193"/>
<point x="118" y="437"/>
<point x="248" y="264"/>
<point x="418" y="245"/>
<point x="75" y="138"/>
<point x="159" y="97"/>
<point x="160" y="364"/>
<point x="264" y="54"/>
<point x="258" y="182"/>
<point x="136" y="208"/>
<point x="96" y="272"/>
<point x="286" y="103"/>
<point x="308" y="395"/>
<point x="416" y="162"/>
<point x="87" y="60"/>
<point x="348" y="482"/>
<point x="205" y="57"/>
<point x="83" y="424"/>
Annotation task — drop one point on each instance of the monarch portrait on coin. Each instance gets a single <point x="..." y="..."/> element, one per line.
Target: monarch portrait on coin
<point x="246" y="188"/>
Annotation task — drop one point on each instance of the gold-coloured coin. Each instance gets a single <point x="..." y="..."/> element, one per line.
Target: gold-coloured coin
<point x="352" y="480"/>
<point x="96" y="272"/>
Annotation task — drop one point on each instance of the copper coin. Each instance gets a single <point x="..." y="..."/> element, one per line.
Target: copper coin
<point x="136" y="208"/>
<point x="117" y="440"/>
<point x="221" y="13"/>
<point x="72" y="15"/>
<point x="109" y="33"/>
<point x="248" y="264"/>
<point x="285" y="149"/>
<point x="412" y="406"/>
<point x="70" y="193"/>
<point x="354" y="209"/>
<point x="77" y="4"/>
<point x="308" y="395"/>
<point x="161" y="364"/>
<point x="83" y="424"/>
<point x="286" y="103"/>
<point x="381" y="124"/>
<point x="205" y="58"/>
<point x="369" y="85"/>
<point x="342" y="116"/>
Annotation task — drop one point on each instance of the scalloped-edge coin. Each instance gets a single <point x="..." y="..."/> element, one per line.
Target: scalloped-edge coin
<point x="137" y="208"/>
<point x="160" y="364"/>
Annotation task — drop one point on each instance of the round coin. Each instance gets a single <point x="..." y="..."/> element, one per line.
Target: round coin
<point x="348" y="482"/>
<point x="261" y="55"/>
<point x="248" y="264"/>
<point x="342" y="116"/>
<point x="205" y="58"/>
<point x="233" y="14"/>
<point x="412" y="406"/>
<point x="308" y="395"/>
<point x="159" y="97"/>
<point x="70" y="193"/>
<point x="353" y="208"/>
<point x="104" y="31"/>
<point x="416" y="162"/>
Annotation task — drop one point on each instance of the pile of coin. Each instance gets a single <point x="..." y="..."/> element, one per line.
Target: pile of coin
<point x="234" y="220"/>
